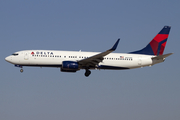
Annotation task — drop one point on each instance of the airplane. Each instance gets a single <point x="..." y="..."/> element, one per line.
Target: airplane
<point x="73" y="61"/>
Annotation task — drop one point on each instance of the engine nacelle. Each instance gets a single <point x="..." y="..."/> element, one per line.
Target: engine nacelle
<point x="70" y="66"/>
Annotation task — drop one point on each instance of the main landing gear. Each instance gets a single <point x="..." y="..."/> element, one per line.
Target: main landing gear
<point x="87" y="73"/>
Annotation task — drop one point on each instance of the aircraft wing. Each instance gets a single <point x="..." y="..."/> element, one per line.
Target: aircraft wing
<point x="96" y="59"/>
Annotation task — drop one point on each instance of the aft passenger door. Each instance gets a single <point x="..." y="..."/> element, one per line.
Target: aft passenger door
<point x="139" y="61"/>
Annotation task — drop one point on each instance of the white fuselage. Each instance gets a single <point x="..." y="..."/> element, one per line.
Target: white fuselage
<point x="52" y="58"/>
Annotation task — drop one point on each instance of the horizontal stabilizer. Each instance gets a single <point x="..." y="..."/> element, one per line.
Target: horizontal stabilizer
<point x="161" y="56"/>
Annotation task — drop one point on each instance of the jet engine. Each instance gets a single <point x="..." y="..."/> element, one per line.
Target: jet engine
<point x="69" y="66"/>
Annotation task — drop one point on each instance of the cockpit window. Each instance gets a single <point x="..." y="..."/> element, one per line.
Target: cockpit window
<point x="15" y="54"/>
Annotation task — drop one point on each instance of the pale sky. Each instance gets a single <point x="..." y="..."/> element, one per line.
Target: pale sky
<point x="149" y="93"/>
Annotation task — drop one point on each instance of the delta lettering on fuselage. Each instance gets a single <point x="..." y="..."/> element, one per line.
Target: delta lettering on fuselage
<point x="41" y="53"/>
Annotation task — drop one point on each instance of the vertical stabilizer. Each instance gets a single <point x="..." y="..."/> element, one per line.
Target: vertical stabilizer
<point x="157" y="45"/>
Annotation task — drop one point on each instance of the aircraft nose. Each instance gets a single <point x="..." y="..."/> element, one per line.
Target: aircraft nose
<point x="8" y="59"/>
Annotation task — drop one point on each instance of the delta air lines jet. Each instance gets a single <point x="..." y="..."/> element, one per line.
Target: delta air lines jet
<point x="72" y="61"/>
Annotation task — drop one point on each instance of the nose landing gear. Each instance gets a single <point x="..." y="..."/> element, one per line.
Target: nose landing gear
<point x="21" y="70"/>
<point x="87" y="73"/>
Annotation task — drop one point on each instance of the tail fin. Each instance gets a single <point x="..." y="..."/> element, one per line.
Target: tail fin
<point x="157" y="45"/>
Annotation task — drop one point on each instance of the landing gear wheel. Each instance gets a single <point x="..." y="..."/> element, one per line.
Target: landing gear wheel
<point x="87" y="73"/>
<point x="21" y="70"/>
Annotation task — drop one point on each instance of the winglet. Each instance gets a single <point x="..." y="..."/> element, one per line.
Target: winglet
<point x="115" y="45"/>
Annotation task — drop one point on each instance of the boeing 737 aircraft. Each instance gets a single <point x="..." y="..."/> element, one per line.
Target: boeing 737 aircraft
<point x="72" y="61"/>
